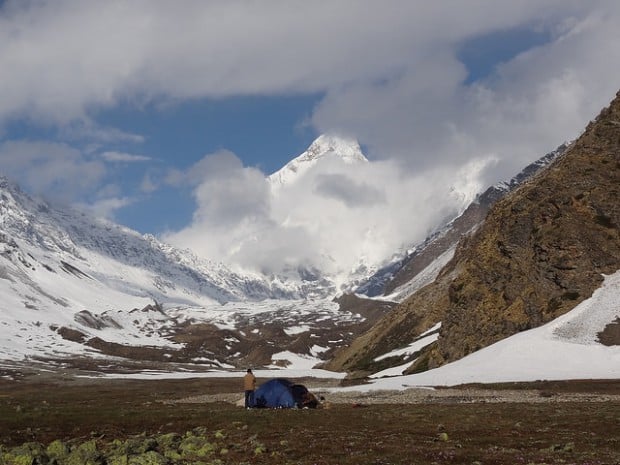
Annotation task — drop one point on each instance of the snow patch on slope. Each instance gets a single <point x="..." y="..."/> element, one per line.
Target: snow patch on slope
<point x="423" y="278"/>
<point x="565" y="348"/>
<point x="425" y="339"/>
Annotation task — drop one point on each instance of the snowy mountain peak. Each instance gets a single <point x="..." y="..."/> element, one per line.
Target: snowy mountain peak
<point x="347" y="149"/>
<point x="324" y="147"/>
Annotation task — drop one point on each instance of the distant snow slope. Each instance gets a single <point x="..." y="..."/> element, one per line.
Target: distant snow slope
<point x="65" y="269"/>
<point x="35" y="235"/>
<point x="565" y="348"/>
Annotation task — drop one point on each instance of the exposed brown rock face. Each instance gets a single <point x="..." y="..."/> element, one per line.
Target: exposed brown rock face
<point x="474" y="214"/>
<point x="610" y="336"/>
<point x="541" y="250"/>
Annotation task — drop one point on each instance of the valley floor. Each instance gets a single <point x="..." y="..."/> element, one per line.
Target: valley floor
<point x="573" y="422"/>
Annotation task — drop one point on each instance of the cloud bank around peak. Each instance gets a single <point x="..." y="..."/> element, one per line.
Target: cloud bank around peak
<point x="335" y="217"/>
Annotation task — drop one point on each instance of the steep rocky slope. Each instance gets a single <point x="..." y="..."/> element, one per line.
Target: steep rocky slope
<point x="541" y="250"/>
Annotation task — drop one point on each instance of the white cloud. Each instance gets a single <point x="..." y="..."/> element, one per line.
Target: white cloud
<point x="148" y="184"/>
<point x="389" y="72"/>
<point x="528" y="106"/>
<point x="54" y="169"/>
<point x="59" y="58"/>
<point x="350" y="192"/>
<point x="124" y="157"/>
<point x="64" y="174"/>
<point x="89" y="130"/>
<point x="333" y="217"/>
<point x="106" y="207"/>
<point x="221" y="163"/>
<point x="232" y="205"/>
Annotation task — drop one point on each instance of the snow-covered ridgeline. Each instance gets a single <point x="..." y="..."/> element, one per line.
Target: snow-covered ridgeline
<point x="48" y="235"/>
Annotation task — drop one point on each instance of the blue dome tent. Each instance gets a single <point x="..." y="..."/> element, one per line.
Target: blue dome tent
<point x="282" y="393"/>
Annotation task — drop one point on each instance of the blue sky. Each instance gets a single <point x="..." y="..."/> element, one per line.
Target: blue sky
<point x="115" y="107"/>
<point x="264" y="132"/>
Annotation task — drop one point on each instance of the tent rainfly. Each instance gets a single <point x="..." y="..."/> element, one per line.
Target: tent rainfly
<point x="282" y="393"/>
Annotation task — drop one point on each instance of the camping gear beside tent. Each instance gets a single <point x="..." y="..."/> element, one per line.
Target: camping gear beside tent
<point x="282" y="393"/>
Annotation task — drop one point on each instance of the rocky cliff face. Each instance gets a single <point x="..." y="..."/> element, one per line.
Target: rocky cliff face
<point x="541" y="250"/>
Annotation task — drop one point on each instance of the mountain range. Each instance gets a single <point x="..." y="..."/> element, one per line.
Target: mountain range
<point x="75" y="287"/>
<point x="84" y="292"/>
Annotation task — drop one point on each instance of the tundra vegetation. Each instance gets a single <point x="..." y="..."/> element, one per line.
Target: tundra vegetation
<point x="99" y="422"/>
